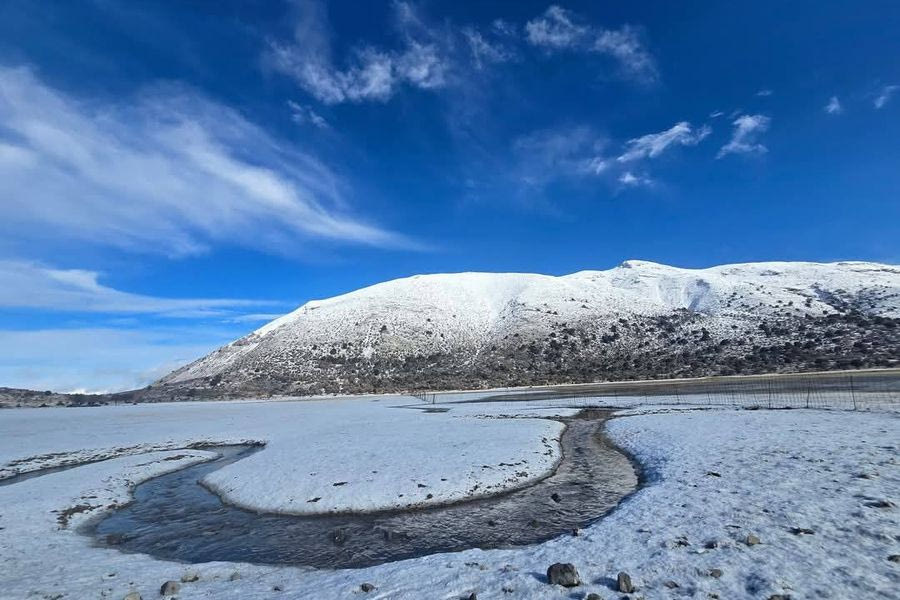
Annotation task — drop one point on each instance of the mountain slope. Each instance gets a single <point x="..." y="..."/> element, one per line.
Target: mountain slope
<point x="637" y="320"/>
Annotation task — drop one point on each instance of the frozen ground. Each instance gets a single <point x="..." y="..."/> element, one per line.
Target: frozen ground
<point x="351" y="454"/>
<point x="817" y="488"/>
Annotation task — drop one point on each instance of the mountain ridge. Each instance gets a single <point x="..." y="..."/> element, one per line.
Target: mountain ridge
<point x="639" y="319"/>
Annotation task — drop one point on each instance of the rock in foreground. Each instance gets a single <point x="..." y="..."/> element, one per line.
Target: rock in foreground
<point x="563" y="574"/>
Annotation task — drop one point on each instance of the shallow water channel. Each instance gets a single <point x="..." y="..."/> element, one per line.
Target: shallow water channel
<point x="173" y="517"/>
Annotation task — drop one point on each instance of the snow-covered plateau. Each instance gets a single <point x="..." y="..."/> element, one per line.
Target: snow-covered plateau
<point x="735" y="503"/>
<point x="636" y="321"/>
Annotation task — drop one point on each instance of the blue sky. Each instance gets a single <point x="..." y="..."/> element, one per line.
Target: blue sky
<point x="172" y="174"/>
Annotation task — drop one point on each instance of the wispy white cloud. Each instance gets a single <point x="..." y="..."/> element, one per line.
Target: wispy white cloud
<point x="101" y="359"/>
<point x="254" y="317"/>
<point x="884" y="95"/>
<point x="764" y="93"/>
<point x="372" y="73"/>
<point x="561" y="29"/>
<point x="493" y="46"/>
<point x="557" y="28"/>
<point x="629" y="179"/>
<point x="432" y="57"/>
<point x="626" y="47"/>
<point x="834" y="106"/>
<point x="505" y="28"/>
<point x="745" y="138"/>
<point x="578" y="152"/>
<point x="167" y="172"/>
<point x="26" y="284"/>
<point x="654" y="144"/>
<point x="549" y="154"/>
<point x="124" y="352"/>
<point x="303" y="114"/>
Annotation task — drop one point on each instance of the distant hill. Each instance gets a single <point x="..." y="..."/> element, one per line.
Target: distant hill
<point x="16" y="397"/>
<point x="638" y="320"/>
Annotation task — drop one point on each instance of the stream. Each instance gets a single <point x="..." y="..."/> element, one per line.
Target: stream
<point x="174" y="517"/>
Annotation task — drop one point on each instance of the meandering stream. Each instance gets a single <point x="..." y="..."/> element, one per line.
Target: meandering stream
<point x="173" y="517"/>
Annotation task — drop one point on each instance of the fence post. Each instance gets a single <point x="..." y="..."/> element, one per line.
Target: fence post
<point x="852" y="392"/>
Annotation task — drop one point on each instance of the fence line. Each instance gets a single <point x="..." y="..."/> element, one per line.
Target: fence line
<point x="867" y="390"/>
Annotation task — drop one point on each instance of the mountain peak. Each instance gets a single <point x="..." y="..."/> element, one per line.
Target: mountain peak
<point x="642" y="264"/>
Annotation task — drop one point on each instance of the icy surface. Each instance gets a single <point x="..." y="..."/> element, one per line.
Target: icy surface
<point x="817" y="488"/>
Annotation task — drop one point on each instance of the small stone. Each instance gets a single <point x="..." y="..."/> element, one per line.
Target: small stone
<point x="276" y="588"/>
<point x="190" y="578"/>
<point x="711" y="544"/>
<point x="752" y="540"/>
<point x="339" y="536"/>
<point x="623" y="583"/>
<point x="714" y="573"/>
<point x="169" y="588"/>
<point x="576" y="532"/>
<point x="472" y="596"/>
<point x="671" y="584"/>
<point x="563" y="574"/>
<point x="367" y="587"/>
<point x="555" y="497"/>
<point x="802" y="531"/>
<point x="234" y="576"/>
<point x="132" y="596"/>
<point x="881" y="504"/>
<point x="894" y="558"/>
<point x="593" y="596"/>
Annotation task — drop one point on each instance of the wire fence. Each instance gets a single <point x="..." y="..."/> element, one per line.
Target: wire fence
<point x="861" y="390"/>
<point x="427" y="398"/>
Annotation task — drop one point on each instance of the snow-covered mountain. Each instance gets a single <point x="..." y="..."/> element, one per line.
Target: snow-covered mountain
<point x="640" y="319"/>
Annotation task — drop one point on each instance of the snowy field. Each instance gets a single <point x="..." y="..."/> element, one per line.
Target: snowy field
<point x="817" y="489"/>
<point x="374" y="448"/>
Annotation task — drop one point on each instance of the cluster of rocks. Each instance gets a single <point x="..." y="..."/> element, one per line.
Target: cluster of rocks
<point x="566" y="575"/>
<point x="171" y="588"/>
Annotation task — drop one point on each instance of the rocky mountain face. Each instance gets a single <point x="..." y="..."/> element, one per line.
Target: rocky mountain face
<point x="638" y="320"/>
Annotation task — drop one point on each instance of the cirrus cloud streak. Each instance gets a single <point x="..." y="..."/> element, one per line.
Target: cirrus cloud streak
<point x="26" y="284"/>
<point x="167" y="172"/>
